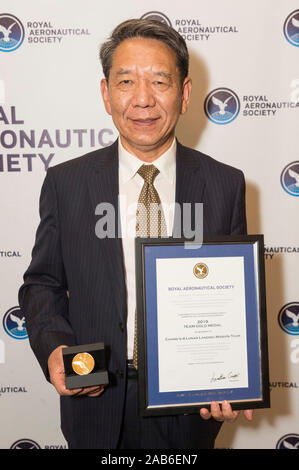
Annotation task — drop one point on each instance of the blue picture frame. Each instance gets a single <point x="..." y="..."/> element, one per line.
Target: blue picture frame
<point x="256" y="395"/>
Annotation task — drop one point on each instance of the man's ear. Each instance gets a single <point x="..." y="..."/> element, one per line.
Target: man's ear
<point x="105" y="94"/>
<point x="186" y="93"/>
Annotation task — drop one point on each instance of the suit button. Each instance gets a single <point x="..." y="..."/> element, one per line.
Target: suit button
<point x="119" y="373"/>
<point x="122" y="328"/>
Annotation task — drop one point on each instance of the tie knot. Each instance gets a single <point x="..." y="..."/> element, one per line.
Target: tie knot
<point x="148" y="173"/>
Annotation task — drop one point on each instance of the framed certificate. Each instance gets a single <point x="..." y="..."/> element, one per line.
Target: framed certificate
<point x="202" y="327"/>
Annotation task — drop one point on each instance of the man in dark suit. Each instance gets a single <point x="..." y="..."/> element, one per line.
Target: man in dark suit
<point x="79" y="287"/>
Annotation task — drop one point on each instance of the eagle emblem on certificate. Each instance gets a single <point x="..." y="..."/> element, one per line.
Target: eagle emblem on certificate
<point x="201" y="270"/>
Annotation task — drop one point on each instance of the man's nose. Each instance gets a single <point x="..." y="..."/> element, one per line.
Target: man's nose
<point x="143" y="95"/>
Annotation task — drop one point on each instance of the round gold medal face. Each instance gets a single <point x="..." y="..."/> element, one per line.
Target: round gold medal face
<point x="83" y="363"/>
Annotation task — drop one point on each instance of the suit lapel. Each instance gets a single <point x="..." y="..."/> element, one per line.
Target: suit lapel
<point x="104" y="187"/>
<point x="190" y="183"/>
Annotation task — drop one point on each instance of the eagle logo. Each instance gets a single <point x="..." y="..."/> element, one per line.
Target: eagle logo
<point x="291" y="28"/>
<point x="11" y="33"/>
<point x="200" y="270"/>
<point x="14" y="323"/>
<point x="290" y="179"/>
<point x="222" y="106"/>
<point x="288" y="318"/>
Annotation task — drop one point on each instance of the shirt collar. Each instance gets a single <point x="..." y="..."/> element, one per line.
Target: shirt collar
<point x="129" y="164"/>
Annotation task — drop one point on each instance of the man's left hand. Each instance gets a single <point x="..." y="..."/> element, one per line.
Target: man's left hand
<point x="223" y="412"/>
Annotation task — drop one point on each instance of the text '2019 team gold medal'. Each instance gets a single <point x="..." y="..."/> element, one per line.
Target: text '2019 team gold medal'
<point x="83" y="363"/>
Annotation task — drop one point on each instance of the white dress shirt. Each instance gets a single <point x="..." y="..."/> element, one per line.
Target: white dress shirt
<point x="130" y="185"/>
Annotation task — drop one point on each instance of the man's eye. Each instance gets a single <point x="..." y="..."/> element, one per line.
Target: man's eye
<point x="160" y="84"/>
<point x="125" y="82"/>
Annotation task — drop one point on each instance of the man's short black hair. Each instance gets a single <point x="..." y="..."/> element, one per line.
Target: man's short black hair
<point x="145" y="28"/>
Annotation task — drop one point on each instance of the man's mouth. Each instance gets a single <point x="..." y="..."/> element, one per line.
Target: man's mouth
<point x="144" y="122"/>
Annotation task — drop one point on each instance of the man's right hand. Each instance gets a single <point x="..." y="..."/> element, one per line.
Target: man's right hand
<point x="57" y="377"/>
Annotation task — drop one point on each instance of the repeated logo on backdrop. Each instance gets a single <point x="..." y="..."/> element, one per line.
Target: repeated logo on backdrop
<point x="12" y="30"/>
<point x="14" y="324"/>
<point x="289" y="441"/>
<point x="193" y="29"/>
<point x="11" y="33"/>
<point x="290" y="178"/>
<point x="156" y="15"/>
<point x="291" y="28"/>
<point x="25" y="444"/>
<point x="222" y="106"/>
<point x="288" y="318"/>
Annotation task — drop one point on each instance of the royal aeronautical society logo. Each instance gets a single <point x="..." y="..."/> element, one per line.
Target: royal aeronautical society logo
<point x="14" y="323"/>
<point x="291" y="28"/>
<point x="25" y="444"/>
<point x="288" y="318"/>
<point x="158" y="16"/>
<point x="289" y="441"/>
<point x="290" y="178"/>
<point x="11" y="32"/>
<point x="222" y="106"/>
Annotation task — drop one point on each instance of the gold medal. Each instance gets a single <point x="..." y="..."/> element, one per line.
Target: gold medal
<point x="83" y="363"/>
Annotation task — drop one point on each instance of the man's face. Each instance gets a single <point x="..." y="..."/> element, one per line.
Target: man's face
<point x="145" y="96"/>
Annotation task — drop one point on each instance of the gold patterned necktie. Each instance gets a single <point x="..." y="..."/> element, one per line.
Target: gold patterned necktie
<point x="150" y="220"/>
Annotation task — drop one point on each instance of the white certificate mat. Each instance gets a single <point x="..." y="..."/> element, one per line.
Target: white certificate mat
<point x="201" y="323"/>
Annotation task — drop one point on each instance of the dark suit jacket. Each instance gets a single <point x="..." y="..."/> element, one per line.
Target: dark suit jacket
<point x="67" y="256"/>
